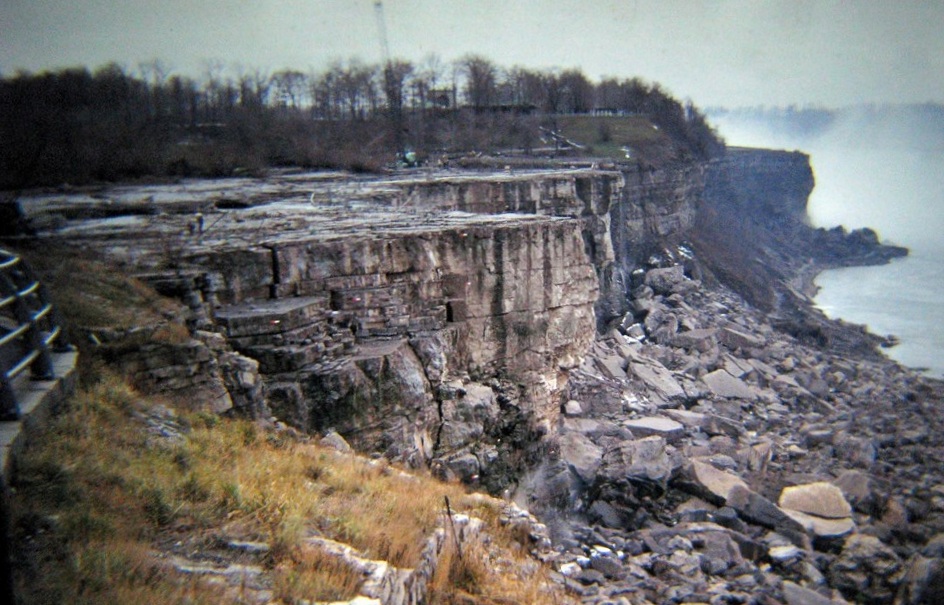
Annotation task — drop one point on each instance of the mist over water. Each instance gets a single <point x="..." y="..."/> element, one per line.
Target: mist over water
<point x="887" y="175"/>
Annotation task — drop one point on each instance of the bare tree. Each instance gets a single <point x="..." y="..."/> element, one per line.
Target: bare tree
<point x="290" y="86"/>
<point x="576" y="92"/>
<point x="480" y="85"/>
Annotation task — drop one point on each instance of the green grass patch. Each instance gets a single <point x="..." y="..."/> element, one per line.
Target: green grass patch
<point x="610" y="136"/>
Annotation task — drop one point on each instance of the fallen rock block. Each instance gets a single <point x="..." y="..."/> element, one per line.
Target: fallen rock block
<point x="705" y="481"/>
<point x="820" y="499"/>
<point x="668" y="280"/>
<point x="612" y="367"/>
<point x="335" y="441"/>
<point x="642" y="462"/>
<point x="659" y="379"/>
<point x="737" y="339"/>
<point x="692" y="420"/>
<point x="668" y="429"/>
<point x="722" y="384"/>
<point x="757" y="509"/>
<point x="581" y="455"/>
<point x="701" y="339"/>
<point x="573" y="408"/>
<point x="821" y="527"/>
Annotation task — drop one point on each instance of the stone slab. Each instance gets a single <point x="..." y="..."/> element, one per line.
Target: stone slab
<point x="821" y="499"/>
<point x="668" y="429"/>
<point x="723" y="384"/>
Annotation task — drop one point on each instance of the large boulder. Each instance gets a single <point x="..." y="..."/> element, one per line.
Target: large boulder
<point x="757" y="509"/>
<point x="820" y="508"/>
<point x="722" y="384"/>
<point x="821" y="499"/>
<point x="668" y="280"/>
<point x="822" y="528"/>
<point x="705" y="481"/>
<point x="668" y="429"/>
<point x="582" y="455"/>
<point x="658" y="379"/>
<point x="640" y="465"/>
<point x="739" y="339"/>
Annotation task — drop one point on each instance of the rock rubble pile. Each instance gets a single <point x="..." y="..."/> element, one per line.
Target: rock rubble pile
<point x="705" y="457"/>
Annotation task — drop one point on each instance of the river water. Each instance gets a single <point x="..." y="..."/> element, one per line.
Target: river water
<point x="899" y="192"/>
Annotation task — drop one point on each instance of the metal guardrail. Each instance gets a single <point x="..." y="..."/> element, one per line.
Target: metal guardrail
<point x="29" y="330"/>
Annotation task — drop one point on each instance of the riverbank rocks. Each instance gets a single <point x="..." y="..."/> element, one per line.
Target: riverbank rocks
<point x="727" y="424"/>
<point x="867" y="570"/>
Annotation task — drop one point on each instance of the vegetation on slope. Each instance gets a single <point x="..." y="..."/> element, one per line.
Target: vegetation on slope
<point x="120" y="488"/>
<point x="77" y="126"/>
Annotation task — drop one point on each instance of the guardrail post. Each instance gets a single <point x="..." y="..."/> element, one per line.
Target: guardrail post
<point x="41" y="368"/>
<point x="25" y="298"/>
<point x="9" y="410"/>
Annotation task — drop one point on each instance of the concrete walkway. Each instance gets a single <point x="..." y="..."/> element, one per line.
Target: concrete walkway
<point x="37" y="400"/>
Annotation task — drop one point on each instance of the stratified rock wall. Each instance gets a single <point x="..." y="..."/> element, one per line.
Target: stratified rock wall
<point x="625" y="215"/>
<point x="770" y="186"/>
<point x="378" y="336"/>
<point x="383" y="308"/>
<point x="656" y="210"/>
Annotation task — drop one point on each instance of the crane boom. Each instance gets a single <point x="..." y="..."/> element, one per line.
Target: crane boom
<point x="382" y="30"/>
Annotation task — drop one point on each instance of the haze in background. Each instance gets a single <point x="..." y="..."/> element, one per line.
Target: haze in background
<point x="724" y="53"/>
<point x="881" y="168"/>
<point x="715" y="52"/>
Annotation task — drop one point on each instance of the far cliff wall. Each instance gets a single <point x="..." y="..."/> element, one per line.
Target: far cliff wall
<point x="770" y="187"/>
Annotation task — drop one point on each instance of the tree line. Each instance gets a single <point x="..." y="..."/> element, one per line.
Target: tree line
<point x="77" y="126"/>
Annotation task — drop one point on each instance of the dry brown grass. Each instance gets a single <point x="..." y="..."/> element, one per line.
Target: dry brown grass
<point x="118" y="483"/>
<point x="486" y="575"/>
<point x="115" y="494"/>
<point x="311" y="572"/>
<point x="91" y="293"/>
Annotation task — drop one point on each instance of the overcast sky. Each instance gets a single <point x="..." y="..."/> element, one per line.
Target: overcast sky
<point x="722" y="52"/>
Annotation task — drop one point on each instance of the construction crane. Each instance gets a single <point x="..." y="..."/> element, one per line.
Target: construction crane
<point x="382" y="31"/>
<point x="404" y="156"/>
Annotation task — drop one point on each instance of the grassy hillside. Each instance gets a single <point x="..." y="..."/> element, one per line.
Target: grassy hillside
<point x="632" y="138"/>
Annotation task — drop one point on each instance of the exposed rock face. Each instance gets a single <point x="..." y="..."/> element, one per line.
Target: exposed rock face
<point x="384" y="320"/>
<point x="767" y="185"/>
<point x="202" y="371"/>
<point x="448" y="320"/>
<point x="387" y="310"/>
<point x="753" y="234"/>
<point x="626" y="215"/>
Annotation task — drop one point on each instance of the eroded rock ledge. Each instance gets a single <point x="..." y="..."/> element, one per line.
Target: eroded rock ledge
<point x="448" y="318"/>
